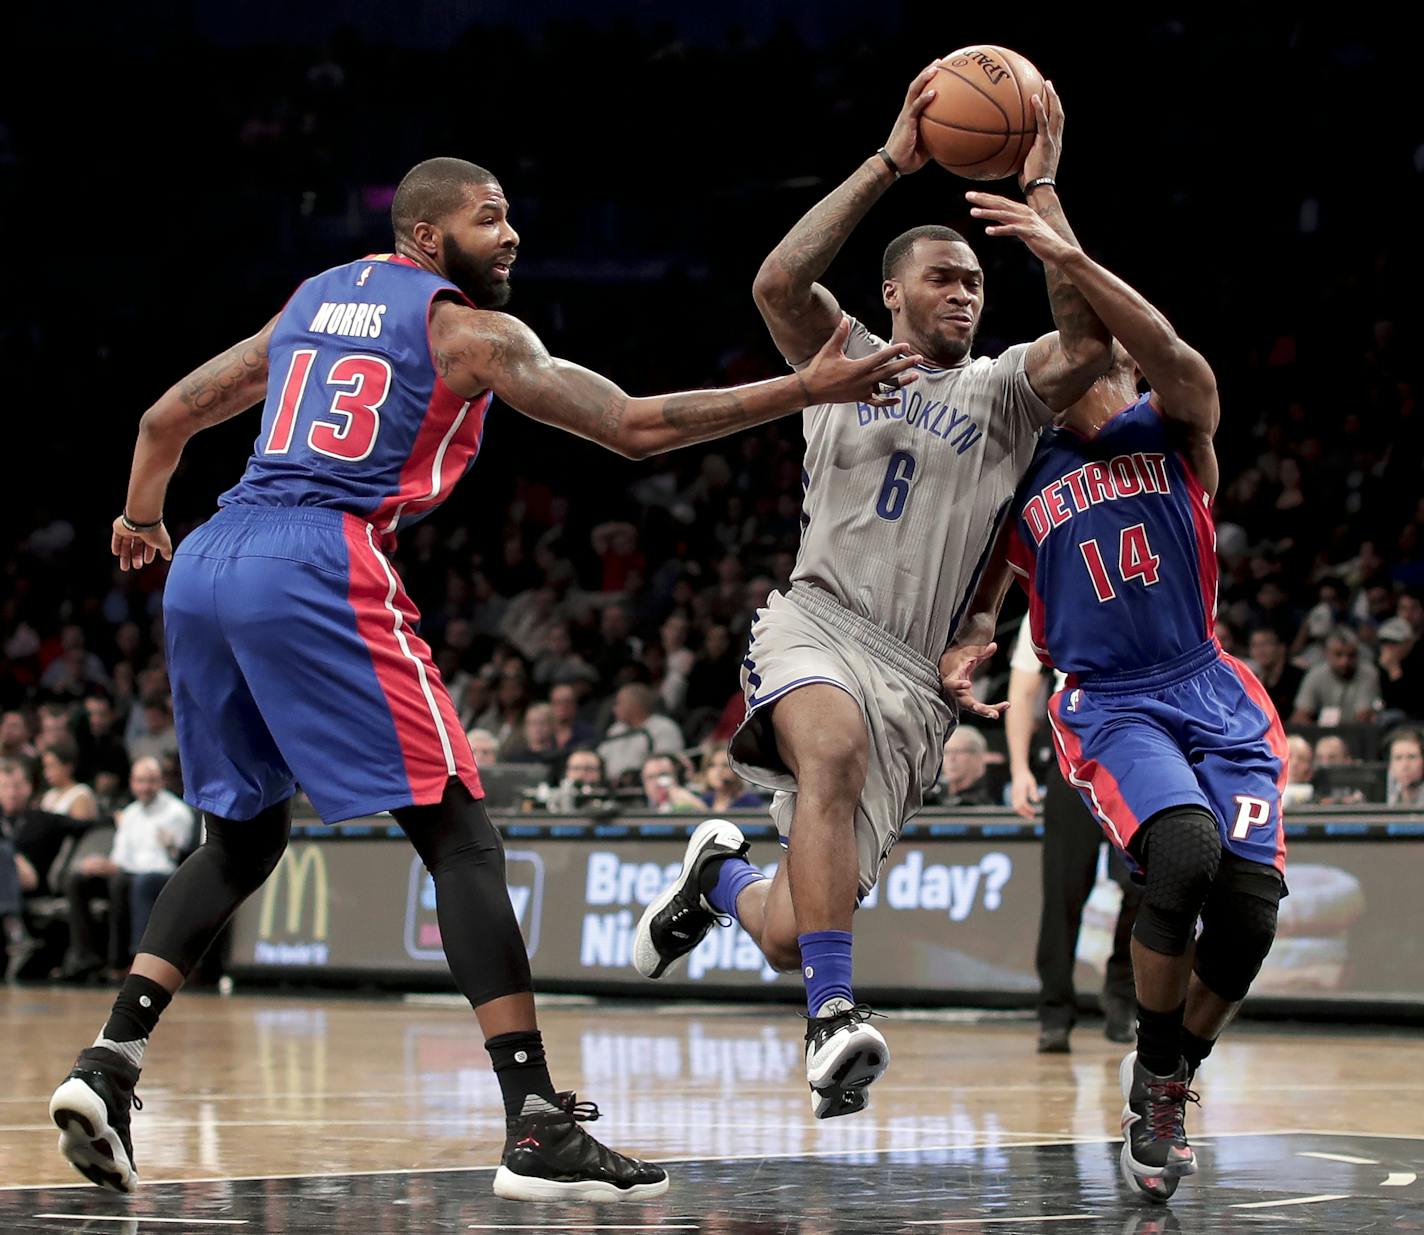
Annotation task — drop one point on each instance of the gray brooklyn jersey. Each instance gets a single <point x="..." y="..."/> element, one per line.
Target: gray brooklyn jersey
<point x="902" y="503"/>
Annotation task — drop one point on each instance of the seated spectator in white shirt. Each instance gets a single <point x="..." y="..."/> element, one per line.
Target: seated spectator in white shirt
<point x="636" y="733"/>
<point x="65" y="795"/>
<point x="1302" y="769"/>
<point x="152" y="834"/>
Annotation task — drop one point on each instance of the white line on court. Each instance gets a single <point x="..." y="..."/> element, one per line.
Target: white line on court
<point x="1399" y="1179"/>
<point x="986" y="1221"/>
<point x="599" y="1227"/>
<point x="1338" y="1158"/>
<point x="1295" y="1200"/>
<point x="145" y="1218"/>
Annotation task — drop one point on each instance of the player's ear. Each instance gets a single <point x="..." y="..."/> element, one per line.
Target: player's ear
<point x="426" y="237"/>
<point x="890" y="294"/>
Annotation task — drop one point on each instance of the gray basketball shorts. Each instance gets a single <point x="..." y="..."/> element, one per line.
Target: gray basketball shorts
<point x="807" y="637"/>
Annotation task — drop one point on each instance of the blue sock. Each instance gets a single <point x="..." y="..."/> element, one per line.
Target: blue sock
<point x="733" y="874"/>
<point x="825" y="965"/>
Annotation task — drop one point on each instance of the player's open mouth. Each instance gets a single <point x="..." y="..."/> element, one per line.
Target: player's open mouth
<point x="501" y="269"/>
<point x="960" y="319"/>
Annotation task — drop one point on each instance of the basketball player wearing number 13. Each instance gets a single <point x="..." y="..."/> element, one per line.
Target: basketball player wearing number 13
<point x="846" y="719"/>
<point x="1174" y="745"/>
<point x="292" y="646"/>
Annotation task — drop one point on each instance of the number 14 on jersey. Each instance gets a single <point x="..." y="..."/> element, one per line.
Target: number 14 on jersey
<point x="1135" y="560"/>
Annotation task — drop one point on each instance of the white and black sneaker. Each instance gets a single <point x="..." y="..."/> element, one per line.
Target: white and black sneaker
<point x="844" y="1056"/>
<point x="548" y="1157"/>
<point x="91" y="1110"/>
<point x="1155" y="1150"/>
<point x="680" y="918"/>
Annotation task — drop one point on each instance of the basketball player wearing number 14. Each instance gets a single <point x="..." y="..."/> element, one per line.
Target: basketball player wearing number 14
<point x="292" y="646"/>
<point x="1174" y="745"/>
<point x="846" y="719"/>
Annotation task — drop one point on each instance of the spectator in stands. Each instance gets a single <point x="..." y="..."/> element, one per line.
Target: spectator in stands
<point x="1401" y="687"/>
<point x="1299" y="788"/>
<point x="65" y="794"/>
<point x="616" y="649"/>
<point x="713" y="676"/>
<point x="15" y="737"/>
<point x="964" y="774"/>
<point x="54" y="725"/>
<point x="76" y="670"/>
<point x="723" y="789"/>
<point x="159" y="737"/>
<point x="152" y="834"/>
<point x="584" y="766"/>
<point x="663" y="790"/>
<point x="559" y="663"/>
<point x="1331" y="751"/>
<point x="505" y="715"/>
<point x="534" y="742"/>
<point x="103" y="759"/>
<point x="1405" y="751"/>
<point x="581" y="786"/>
<point x="35" y="834"/>
<point x="484" y="747"/>
<point x="569" y="730"/>
<point x="636" y="733"/>
<point x="1340" y="690"/>
<point x="1280" y="678"/>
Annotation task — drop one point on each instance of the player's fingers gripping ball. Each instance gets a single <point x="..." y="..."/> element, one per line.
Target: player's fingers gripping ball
<point x="981" y="123"/>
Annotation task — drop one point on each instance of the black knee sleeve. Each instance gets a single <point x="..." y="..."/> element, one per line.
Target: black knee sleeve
<point x="1180" y="853"/>
<point x="233" y="861"/>
<point x="478" y="930"/>
<point x="1238" y="926"/>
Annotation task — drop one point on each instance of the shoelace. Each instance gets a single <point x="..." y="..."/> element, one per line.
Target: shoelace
<point x="1166" y="1109"/>
<point x="579" y="1112"/>
<point x="823" y="1026"/>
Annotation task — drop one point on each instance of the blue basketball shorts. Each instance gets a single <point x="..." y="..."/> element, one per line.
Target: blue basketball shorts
<point x="1198" y="730"/>
<point x="294" y="660"/>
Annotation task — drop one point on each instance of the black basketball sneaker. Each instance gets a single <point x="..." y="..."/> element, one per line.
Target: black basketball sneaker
<point x="680" y="918"/>
<point x="1155" y="1151"/>
<point x="844" y="1056"/>
<point x="91" y="1110"/>
<point x="548" y="1157"/>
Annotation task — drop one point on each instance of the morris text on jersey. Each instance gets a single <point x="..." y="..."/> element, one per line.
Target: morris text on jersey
<point x="360" y="321"/>
<point x="1098" y="481"/>
<point x="933" y="416"/>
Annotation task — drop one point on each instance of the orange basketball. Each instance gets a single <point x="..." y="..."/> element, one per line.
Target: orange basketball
<point x="980" y="123"/>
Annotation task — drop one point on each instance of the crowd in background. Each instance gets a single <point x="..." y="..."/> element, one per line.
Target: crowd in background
<point x="588" y="614"/>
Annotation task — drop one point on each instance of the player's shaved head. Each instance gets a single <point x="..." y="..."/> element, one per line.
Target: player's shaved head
<point x="897" y="249"/>
<point x="434" y="190"/>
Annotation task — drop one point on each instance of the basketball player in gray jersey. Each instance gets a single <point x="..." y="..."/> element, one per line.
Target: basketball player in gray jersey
<point x="846" y="718"/>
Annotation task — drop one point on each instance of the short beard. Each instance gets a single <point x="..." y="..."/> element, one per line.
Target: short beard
<point x="472" y="278"/>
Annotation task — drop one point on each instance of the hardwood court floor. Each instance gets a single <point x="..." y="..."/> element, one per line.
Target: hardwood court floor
<point x="266" y="1088"/>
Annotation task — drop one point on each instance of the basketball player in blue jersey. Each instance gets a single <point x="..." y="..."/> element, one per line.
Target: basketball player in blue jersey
<point x="292" y="646"/>
<point x="1174" y="745"/>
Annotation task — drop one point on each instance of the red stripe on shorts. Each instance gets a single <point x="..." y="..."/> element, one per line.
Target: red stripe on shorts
<point x="432" y="743"/>
<point x="1089" y="777"/>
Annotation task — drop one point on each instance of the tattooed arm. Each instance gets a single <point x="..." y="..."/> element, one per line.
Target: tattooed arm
<point x="214" y="392"/>
<point x="477" y="351"/>
<point x="799" y="311"/>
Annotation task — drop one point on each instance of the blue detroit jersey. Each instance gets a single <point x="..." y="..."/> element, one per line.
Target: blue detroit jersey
<point x="356" y="418"/>
<point x="1117" y="530"/>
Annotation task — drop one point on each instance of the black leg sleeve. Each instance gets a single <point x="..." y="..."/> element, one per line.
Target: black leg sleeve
<point x="233" y="861"/>
<point x="478" y="930"/>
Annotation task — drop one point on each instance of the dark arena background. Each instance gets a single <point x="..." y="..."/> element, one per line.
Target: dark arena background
<point x="170" y="172"/>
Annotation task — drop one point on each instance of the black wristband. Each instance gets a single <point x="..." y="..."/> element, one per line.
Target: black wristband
<point x="1041" y="182"/>
<point x="889" y="162"/>
<point x="139" y="527"/>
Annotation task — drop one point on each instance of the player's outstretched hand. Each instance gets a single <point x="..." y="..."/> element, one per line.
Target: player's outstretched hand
<point x="904" y="144"/>
<point x="956" y="674"/>
<point x="1047" y="148"/>
<point x="1010" y="218"/>
<point x="136" y="549"/>
<point x="833" y="377"/>
<point x="1023" y="795"/>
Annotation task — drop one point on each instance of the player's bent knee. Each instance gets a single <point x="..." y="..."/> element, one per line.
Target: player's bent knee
<point x="1238" y="928"/>
<point x="1180" y="853"/>
<point x="783" y="955"/>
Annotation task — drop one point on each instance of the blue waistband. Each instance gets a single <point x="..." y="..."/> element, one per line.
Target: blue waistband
<point x="322" y="516"/>
<point x="1166" y="673"/>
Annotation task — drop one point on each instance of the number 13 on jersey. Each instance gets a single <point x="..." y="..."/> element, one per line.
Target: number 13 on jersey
<point x="355" y="411"/>
<point x="1135" y="560"/>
